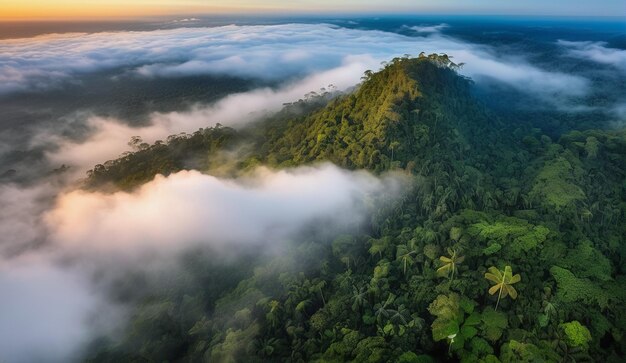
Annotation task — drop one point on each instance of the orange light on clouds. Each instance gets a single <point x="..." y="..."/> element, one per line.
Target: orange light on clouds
<point x="103" y="9"/>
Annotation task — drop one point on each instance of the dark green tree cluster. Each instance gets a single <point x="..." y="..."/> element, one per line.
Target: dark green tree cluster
<point x="509" y="247"/>
<point x="201" y="150"/>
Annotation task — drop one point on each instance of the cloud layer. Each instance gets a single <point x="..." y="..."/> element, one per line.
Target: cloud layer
<point x="189" y="208"/>
<point x="44" y="311"/>
<point x="428" y="28"/>
<point x="274" y="52"/>
<point x="596" y="52"/>
<point x="48" y="307"/>
<point x="300" y="57"/>
<point x="108" y="137"/>
<point x="20" y="224"/>
<point x="267" y="52"/>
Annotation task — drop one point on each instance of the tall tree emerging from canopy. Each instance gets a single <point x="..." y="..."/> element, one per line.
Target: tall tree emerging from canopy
<point x="503" y="282"/>
<point x="450" y="263"/>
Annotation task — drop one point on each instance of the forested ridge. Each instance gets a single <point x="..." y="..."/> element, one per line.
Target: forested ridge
<point x="509" y="246"/>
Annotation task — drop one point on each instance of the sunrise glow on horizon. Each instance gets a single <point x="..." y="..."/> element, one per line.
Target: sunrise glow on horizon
<point x="118" y="9"/>
<point x="73" y="9"/>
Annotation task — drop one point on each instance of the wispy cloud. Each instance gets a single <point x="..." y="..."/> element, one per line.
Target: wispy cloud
<point x="596" y="52"/>
<point x="20" y="225"/>
<point x="186" y="20"/>
<point x="274" y="52"/>
<point x="189" y="208"/>
<point x="619" y="111"/>
<point x="428" y="29"/>
<point x="45" y="311"/>
<point x="49" y="305"/>
<point x="108" y="137"/>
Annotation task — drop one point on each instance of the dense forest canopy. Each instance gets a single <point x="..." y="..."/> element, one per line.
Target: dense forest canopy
<point x="509" y="246"/>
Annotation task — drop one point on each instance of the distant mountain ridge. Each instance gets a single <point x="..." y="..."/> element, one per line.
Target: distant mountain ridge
<point x="414" y="110"/>
<point x="399" y="115"/>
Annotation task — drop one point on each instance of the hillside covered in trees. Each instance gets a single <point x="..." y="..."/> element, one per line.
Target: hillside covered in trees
<point x="509" y="246"/>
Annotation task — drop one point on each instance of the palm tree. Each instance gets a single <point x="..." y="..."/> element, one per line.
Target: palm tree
<point x="404" y="254"/>
<point x="267" y="346"/>
<point x="379" y="246"/>
<point x="273" y="315"/>
<point x="382" y="311"/>
<point x="450" y="263"/>
<point x="503" y="282"/>
<point x="393" y="146"/>
<point x="317" y="286"/>
<point x="303" y="305"/>
<point x="359" y="298"/>
<point x="400" y="315"/>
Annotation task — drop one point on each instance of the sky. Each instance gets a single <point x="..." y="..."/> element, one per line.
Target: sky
<point x="89" y="9"/>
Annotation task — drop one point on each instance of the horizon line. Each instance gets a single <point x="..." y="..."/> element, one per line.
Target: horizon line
<point x="286" y="14"/>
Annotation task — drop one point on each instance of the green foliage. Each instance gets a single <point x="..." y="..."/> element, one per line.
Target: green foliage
<point x="410" y="357"/>
<point x="342" y="350"/>
<point x="519" y="235"/>
<point x="571" y="289"/>
<point x="493" y="324"/>
<point x="517" y="352"/>
<point x="456" y="321"/>
<point x="201" y="150"/>
<point x="236" y="347"/>
<point x="592" y="145"/>
<point x="500" y="191"/>
<point x="371" y="349"/>
<point x="390" y="121"/>
<point x="556" y="185"/>
<point x="588" y="262"/>
<point x="345" y="248"/>
<point x="576" y="334"/>
<point x="450" y="264"/>
<point x="449" y="316"/>
<point x="480" y="347"/>
<point x="492" y="248"/>
<point x="405" y="255"/>
<point x="430" y="251"/>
